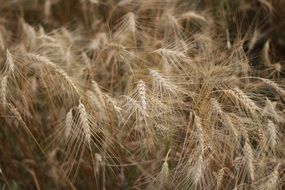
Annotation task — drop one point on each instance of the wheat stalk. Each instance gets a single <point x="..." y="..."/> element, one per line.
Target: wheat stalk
<point x="266" y="57"/>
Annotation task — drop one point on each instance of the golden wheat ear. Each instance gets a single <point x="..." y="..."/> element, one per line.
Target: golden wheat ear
<point x="9" y="66"/>
<point x="274" y="85"/>
<point x="162" y="181"/>
<point x="47" y="65"/>
<point x="226" y="119"/>
<point x="128" y="24"/>
<point x="3" y="92"/>
<point x="270" y="111"/>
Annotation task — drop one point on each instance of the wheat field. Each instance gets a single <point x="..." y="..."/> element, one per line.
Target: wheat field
<point x="142" y="94"/>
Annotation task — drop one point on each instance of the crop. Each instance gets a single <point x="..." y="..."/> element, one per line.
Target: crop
<point x="141" y="95"/>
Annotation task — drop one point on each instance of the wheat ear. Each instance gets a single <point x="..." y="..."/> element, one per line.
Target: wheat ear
<point x="274" y="85"/>
<point x="243" y="99"/>
<point x="142" y="95"/>
<point x="273" y="181"/>
<point x="225" y="117"/>
<point x="220" y="177"/>
<point x="248" y="153"/>
<point x="3" y="91"/>
<point x="9" y="63"/>
<point x="164" y="173"/>
<point x="68" y="123"/>
<point x="84" y="122"/>
<point x="272" y="133"/>
<point x="55" y="68"/>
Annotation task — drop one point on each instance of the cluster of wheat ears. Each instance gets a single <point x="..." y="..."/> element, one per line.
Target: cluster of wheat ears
<point x="148" y="96"/>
